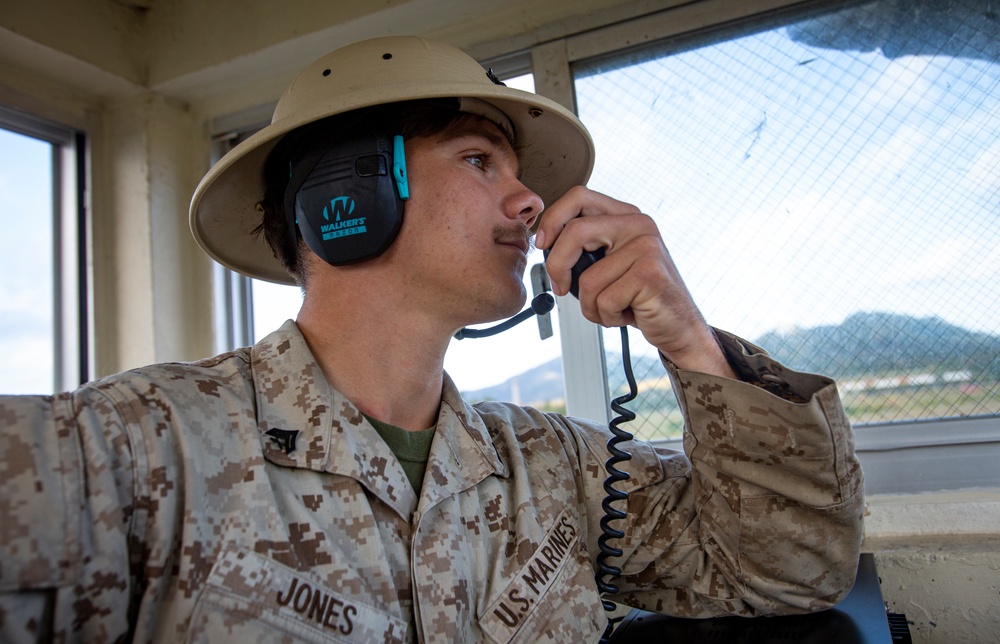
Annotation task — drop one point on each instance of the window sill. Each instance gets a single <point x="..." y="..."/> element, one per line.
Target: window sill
<point x="929" y="520"/>
<point x="930" y="456"/>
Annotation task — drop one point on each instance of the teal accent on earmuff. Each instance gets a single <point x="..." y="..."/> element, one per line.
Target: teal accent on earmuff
<point x="399" y="167"/>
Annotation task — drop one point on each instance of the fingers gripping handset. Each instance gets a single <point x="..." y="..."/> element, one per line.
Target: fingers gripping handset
<point x="587" y="259"/>
<point x="577" y="231"/>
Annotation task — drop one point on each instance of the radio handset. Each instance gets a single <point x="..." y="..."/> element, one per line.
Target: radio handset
<point x="587" y="259"/>
<point x="605" y="571"/>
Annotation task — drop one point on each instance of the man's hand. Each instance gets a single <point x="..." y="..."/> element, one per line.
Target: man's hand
<point x="636" y="283"/>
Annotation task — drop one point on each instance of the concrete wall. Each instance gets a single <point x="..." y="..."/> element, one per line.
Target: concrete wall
<point x="938" y="557"/>
<point x="152" y="284"/>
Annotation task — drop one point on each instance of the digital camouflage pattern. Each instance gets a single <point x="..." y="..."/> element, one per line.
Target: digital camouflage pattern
<point x="241" y="498"/>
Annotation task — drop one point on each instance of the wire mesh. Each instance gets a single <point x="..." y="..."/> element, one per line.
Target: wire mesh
<point x="830" y="188"/>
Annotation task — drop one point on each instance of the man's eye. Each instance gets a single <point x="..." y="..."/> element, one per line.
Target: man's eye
<point x="478" y="160"/>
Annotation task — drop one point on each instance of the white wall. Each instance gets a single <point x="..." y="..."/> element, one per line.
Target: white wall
<point x="939" y="562"/>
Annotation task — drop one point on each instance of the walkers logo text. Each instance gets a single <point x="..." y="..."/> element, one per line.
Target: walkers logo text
<point x="341" y="207"/>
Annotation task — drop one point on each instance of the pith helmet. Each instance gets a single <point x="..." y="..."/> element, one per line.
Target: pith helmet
<point x="556" y="151"/>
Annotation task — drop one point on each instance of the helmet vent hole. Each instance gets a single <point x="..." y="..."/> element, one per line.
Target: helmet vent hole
<point x="386" y="56"/>
<point x="326" y="72"/>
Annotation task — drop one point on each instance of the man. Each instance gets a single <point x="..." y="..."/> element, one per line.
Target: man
<point x="330" y="484"/>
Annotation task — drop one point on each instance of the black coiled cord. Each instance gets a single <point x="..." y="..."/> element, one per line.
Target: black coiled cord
<point x="615" y="475"/>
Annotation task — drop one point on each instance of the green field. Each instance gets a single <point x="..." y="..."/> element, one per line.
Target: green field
<point x="658" y="417"/>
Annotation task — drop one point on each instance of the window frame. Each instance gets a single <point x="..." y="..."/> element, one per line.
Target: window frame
<point x="950" y="454"/>
<point x="233" y="292"/>
<point x="72" y="297"/>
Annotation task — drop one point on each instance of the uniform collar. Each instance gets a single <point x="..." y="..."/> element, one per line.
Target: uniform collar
<point x="306" y="423"/>
<point x="462" y="454"/>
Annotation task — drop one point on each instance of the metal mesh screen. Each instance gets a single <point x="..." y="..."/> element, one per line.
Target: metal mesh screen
<point x="829" y="186"/>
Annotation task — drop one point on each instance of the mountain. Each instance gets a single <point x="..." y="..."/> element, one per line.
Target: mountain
<point x="543" y="385"/>
<point x="865" y="344"/>
<point x="884" y="343"/>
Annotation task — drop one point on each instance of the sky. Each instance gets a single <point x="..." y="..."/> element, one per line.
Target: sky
<point x="793" y="186"/>
<point x="26" y="345"/>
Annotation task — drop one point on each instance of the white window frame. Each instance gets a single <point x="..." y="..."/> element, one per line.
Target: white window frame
<point x="582" y="341"/>
<point x="72" y="297"/>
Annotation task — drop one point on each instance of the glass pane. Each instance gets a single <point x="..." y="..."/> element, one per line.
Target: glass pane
<point x="516" y="365"/>
<point x="272" y="305"/>
<point x="830" y="189"/>
<point x="27" y="336"/>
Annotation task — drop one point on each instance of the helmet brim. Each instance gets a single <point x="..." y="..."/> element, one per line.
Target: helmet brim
<point x="555" y="151"/>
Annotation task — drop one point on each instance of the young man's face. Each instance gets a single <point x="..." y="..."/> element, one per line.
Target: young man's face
<point x="465" y="232"/>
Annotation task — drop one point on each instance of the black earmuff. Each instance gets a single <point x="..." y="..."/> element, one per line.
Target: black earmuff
<point x="345" y="192"/>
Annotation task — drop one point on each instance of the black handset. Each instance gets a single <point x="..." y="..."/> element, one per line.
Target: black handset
<point x="606" y="571"/>
<point x="587" y="259"/>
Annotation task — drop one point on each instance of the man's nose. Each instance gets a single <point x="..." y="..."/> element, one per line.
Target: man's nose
<point x="523" y="204"/>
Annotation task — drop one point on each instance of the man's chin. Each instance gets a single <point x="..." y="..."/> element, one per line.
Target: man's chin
<point x="515" y="305"/>
<point x="505" y="309"/>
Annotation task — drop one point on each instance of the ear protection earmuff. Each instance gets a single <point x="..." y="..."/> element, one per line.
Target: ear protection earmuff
<point x="345" y="192"/>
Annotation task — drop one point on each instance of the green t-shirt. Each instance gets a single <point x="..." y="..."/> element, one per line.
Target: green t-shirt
<point x="411" y="448"/>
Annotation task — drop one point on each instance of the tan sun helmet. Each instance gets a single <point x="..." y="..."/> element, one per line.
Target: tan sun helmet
<point x="555" y="149"/>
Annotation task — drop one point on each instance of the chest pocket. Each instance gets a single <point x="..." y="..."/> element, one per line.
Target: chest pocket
<point x="250" y="598"/>
<point x="553" y="597"/>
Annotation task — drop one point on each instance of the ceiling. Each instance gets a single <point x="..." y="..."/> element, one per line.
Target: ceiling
<point x="198" y="51"/>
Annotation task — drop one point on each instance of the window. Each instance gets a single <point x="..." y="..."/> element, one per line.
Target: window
<point x="828" y="185"/>
<point x="517" y="365"/>
<point x="42" y="294"/>
<point x="827" y="179"/>
<point x="235" y="320"/>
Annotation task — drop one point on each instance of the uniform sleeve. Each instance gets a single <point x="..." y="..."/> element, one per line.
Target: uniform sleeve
<point x="766" y="518"/>
<point x="65" y="490"/>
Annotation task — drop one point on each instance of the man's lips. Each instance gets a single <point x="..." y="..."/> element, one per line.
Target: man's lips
<point x="521" y="245"/>
<point x="517" y="238"/>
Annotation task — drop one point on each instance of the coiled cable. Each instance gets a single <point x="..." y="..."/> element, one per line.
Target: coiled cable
<point x="605" y="571"/>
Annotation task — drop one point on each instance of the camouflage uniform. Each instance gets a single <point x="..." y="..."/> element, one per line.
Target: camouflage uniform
<point x="155" y="504"/>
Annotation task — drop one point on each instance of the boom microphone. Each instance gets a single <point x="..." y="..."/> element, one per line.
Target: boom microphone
<point x="541" y="305"/>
